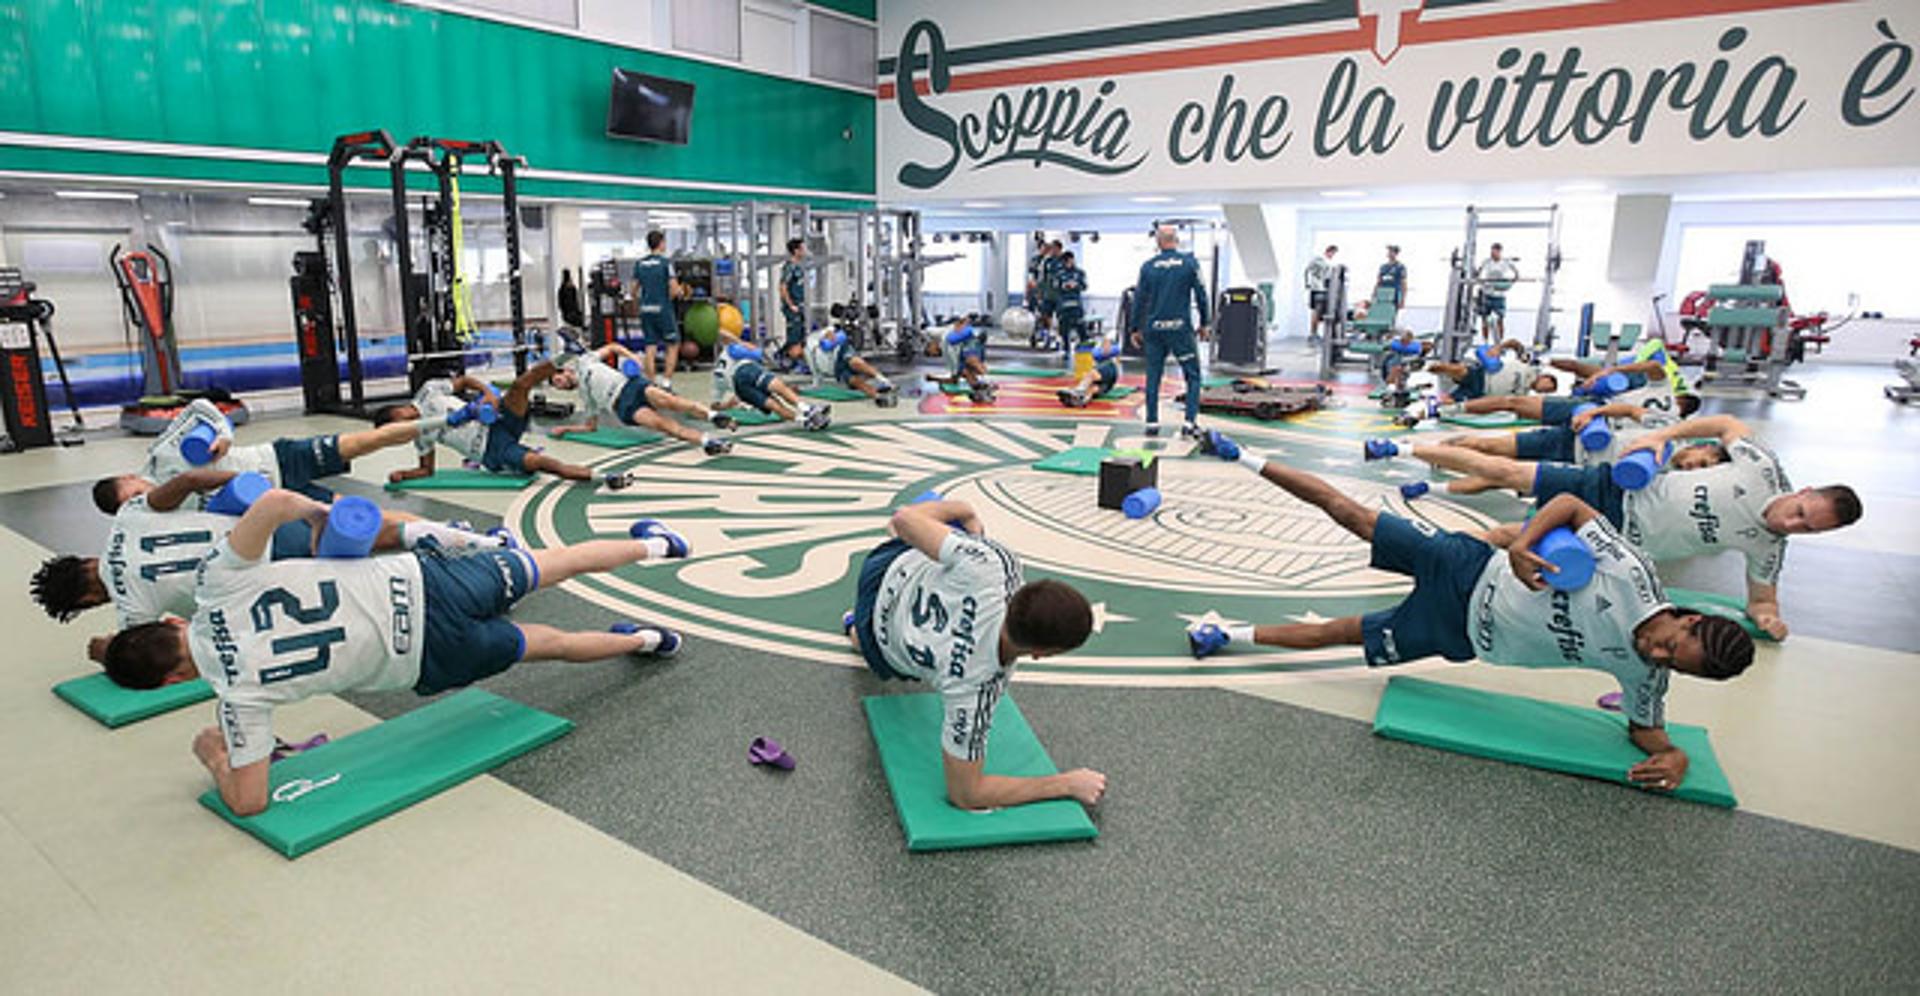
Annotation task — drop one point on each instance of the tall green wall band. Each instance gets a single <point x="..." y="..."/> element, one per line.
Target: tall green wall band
<point x="289" y="75"/>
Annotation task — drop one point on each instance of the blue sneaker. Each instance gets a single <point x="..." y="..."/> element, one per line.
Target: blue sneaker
<point x="677" y="548"/>
<point x="1217" y="443"/>
<point x="460" y="524"/>
<point x="669" y="640"/>
<point x="1207" y="639"/>
<point x="506" y="537"/>
<point x="1380" y="449"/>
<point x="1414" y="489"/>
<point x="846" y="622"/>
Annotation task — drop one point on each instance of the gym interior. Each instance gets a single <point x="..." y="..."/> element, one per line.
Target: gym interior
<point x="1331" y="225"/>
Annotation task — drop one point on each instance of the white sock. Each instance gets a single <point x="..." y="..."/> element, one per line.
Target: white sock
<point x="428" y="423"/>
<point x="1239" y="634"/>
<point x="411" y="533"/>
<point x="1253" y="461"/>
<point x="649" y="638"/>
<point x="656" y="547"/>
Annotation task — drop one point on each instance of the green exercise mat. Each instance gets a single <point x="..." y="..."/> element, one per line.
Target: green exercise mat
<point x="1079" y="460"/>
<point x="1116" y="391"/>
<point x="1032" y="372"/>
<point x="463" y="479"/>
<point x="1490" y="420"/>
<point x="832" y="392"/>
<point x="613" y="439"/>
<point x="754" y="416"/>
<point x="383" y="769"/>
<point x="906" y="729"/>
<point x="1713" y="603"/>
<point x="112" y="706"/>
<point x="959" y="388"/>
<point x="1548" y="735"/>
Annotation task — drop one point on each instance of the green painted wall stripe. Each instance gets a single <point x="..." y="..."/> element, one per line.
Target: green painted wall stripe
<point x="858" y="8"/>
<point x="292" y="74"/>
<point x="17" y="159"/>
<point x="1179" y="29"/>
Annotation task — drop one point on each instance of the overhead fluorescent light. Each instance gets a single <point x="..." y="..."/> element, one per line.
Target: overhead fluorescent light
<point x="97" y="195"/>
<point x="1343" y="193"/>
<point x="276" y="202"/>
<point x="1580" y="188"/>
<point x="1152" y="199"/>
<point x="592" y="216"/>
<point x="1056" y="210"/>
<point x="1204" y="207"/>
<point x="982" y="205"/>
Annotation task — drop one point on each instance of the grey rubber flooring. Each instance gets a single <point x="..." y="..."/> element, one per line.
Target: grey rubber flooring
<point x="1246" y="846"/>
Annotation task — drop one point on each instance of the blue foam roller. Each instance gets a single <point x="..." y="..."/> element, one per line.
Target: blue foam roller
<point x="1413" y="349"/>
<point x="239" y="494"/>
<point x="958" y="336"/>
<point x="486" y="413"/>
<point x="630" y="368"/>
<point x="1105" y="353"/>
<point x="1489" y="360"/>
<point x="1141" y="503"/>
<point x="352" y="526"/>
<point x="926" y="496"/>
<point x="1568" y="552"/>
<point x="833" y="340"/>
<point x="1608" y="386"/>
<point x="1636" y="470"/>
<point x="1598" y="435"/>
<point x="740" y="352"/>
<point x="197" y="445"/>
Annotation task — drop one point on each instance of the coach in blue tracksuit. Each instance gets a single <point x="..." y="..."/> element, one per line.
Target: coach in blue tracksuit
<point x="1163" y="325"/>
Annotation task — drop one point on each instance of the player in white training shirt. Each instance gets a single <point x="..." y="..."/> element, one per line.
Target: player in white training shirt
<point x="627" y="397"/>
<point x="495" y="447"/>
<point x="942" y="604"/>
<point x="1470" y="601"/>
<point x="155" y="545"/>
<point x="265" y="634"/>
<point x="291" y="463"/>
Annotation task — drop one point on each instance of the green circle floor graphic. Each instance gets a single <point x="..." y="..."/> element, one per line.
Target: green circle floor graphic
<point x="780" y="526"/>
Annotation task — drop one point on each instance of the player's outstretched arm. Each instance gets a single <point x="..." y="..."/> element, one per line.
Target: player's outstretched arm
<point x="1666" y="765"/>
<point x="925" y="526"/>
<point x="178" y="488"/>
<point x="970" y="787"/>
<point x="251" y="537"/>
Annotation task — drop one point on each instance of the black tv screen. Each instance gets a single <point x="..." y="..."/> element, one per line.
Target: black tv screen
<point x="649" y="108"/>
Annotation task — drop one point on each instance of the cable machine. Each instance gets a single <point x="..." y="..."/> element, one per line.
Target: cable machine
<point x="24" y="321"/>
<point x="1464" y="286"/>
<point x="435" y="305"/>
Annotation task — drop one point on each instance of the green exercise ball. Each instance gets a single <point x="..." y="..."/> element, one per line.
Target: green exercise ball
<point x="702" y="323"/>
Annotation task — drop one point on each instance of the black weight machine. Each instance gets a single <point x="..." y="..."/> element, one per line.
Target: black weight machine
<point x="434" y="317"/>
<point x="24" y="321"/>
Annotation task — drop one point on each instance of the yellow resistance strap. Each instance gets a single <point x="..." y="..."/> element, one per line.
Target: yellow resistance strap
<point x="463" y="327"/>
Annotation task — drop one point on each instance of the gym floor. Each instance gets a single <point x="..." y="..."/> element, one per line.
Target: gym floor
<point x="1256" y="837"/>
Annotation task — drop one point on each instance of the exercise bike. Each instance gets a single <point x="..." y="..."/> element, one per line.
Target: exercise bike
<point x="146" y="298"/>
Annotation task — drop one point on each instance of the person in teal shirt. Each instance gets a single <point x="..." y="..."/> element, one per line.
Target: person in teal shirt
<point x="654" y="284"/>
<point x="1393" y="273"/>
<point x="1164" y="327"/>
<point x="793" y="301"/>
<point x="1069" y="282"/>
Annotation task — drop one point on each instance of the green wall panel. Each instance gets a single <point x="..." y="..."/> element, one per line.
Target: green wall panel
<point x="291" y="74"/>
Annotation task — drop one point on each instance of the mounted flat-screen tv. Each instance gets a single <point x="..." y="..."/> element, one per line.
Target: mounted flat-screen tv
<point x="649" y="108"/>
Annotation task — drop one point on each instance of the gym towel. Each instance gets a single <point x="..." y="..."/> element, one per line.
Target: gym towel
<point x="113" y="706"/>
<point x="906" y="729"/>
<point x="613" y="439"/>
<point x="383" y="769"/>
<point x="1568" y="739"/>
<point x="463" y="479"/>
<point x="1715" y="604"/>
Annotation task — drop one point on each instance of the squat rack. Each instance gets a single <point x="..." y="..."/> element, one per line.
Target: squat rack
<point x="1464" y="283"/>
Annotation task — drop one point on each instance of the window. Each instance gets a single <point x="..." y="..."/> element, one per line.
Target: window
<point x="841" y="51"/>
<point x="1824" y="266"/>
<point x="560" y="12"/>
<point x="708" y="27"/>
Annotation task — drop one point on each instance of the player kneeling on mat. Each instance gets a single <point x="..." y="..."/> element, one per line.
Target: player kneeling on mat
<point x="495" y="446"/>
<point x="943" y="604"/>
<point x="200" y="436"/>
<point x="740" y="376"/>
<point x="266" y="634"/>
<point x="1705" y="498"/>
<point x="1097" y="381"/>
<point x="1469" y="601"/>
<point x="155" y="544"/>
<point x="830" y="354"/>
<point x="629" y="398"/>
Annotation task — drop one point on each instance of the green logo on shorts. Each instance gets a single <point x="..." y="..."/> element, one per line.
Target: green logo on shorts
<point x="779" y="529"/>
